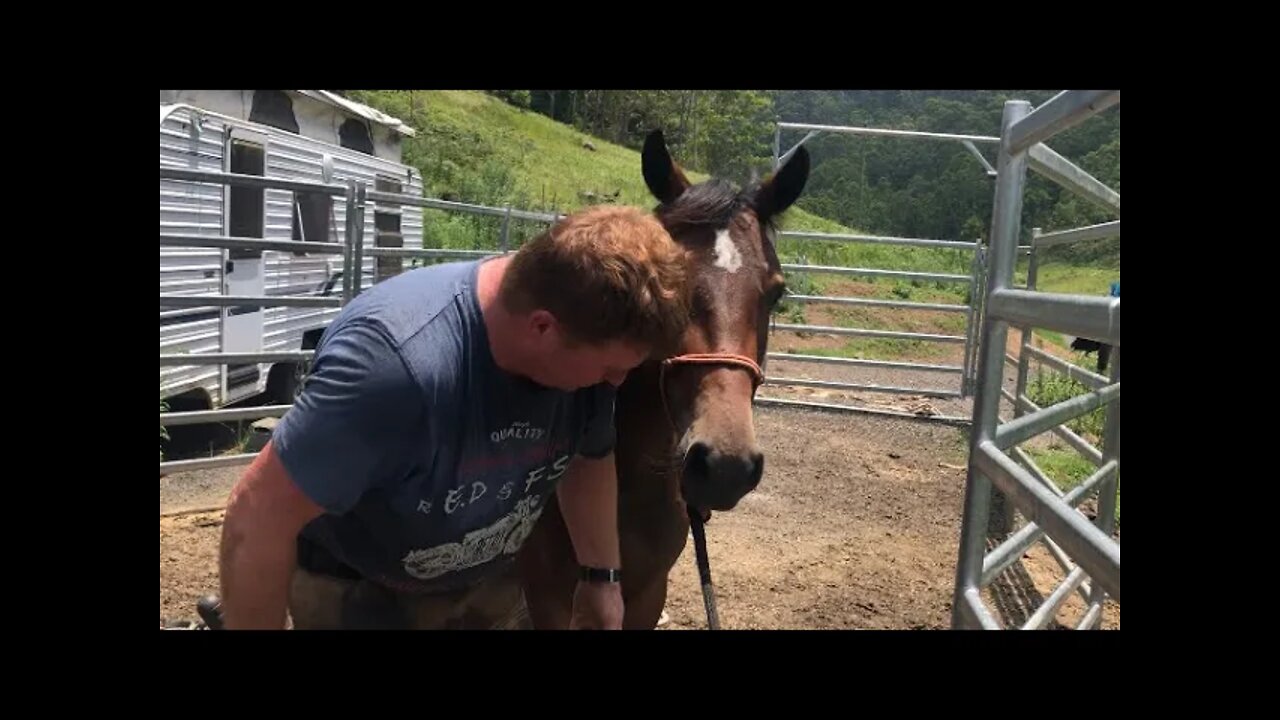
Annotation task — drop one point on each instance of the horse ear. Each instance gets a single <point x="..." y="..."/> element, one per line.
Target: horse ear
<point x="665" y="179"/>
<point x="783" y="187"/>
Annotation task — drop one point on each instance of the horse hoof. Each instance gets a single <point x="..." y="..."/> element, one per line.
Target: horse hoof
<point x="663" y="619"/>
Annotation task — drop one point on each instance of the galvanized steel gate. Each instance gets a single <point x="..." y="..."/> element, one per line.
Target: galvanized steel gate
<point x="1087" y="552"/>
<point x="965" y="372"/>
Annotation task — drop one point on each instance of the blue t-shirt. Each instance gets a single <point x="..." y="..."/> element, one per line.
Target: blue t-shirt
<point x="432" y="462"/>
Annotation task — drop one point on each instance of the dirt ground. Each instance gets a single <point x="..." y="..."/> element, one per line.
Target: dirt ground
<point x="855" y="526"/>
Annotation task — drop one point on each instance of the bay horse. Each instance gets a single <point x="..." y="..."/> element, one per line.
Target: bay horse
<point x="685" y="433"/>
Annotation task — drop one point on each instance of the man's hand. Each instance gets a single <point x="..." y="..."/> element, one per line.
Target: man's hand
<point x="597" y="606"/>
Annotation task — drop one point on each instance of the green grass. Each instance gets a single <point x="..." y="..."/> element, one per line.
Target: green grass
<point x="476" y="148"/>
<point x="1067" y="468"/>
<point x="1093" y="279"/>
<point x="890" y="319"/>
<point x="887" y="257"/>
<point x="479" y="149"/>
<point x="1078" y="280"/>
<point x="879" y="349"/>
<point x="1063" y="465"/>
<point x="1050" y="387"/>
<point x="877" y="318"/>
<point x="1054" y="337"/>
<point x="1066" y="465"/>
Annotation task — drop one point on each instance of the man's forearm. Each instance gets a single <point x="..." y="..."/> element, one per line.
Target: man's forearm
<point x="259" y="551"/>
<point x="588" y="498"/>
<point x="255" y="570"/>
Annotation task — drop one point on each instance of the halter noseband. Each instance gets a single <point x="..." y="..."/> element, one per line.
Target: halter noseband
<point x="726" y="359"/>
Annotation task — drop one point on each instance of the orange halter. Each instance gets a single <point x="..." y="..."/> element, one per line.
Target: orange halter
<point x="729" y="359"/>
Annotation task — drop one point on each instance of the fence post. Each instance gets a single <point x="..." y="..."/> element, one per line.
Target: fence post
<point x="974" y="318"/>
<point x="348" y="241"/>
<point x="1009" y="521"/>
<point x="1024" y="360"/>
<point x="1106" y="520"/>
<point x="504" y="237"/>
<point x="357" y="254"/>
<point x="1005" y="221"/>
<point x="777" y="145"/>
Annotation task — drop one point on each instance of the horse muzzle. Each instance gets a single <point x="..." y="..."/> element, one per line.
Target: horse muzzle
<point x="721" y="462"/>
<point x="715" y="480"/>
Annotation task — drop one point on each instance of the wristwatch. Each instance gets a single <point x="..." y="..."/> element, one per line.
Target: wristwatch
<point x="603" y="575"/>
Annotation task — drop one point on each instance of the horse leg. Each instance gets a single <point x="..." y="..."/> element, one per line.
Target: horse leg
<point x="548" y="571"/>
<point x="644" y="606"/>
<point x="649" y="551"/>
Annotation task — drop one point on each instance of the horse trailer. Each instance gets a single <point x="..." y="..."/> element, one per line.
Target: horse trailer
<point x="298" y="135"/>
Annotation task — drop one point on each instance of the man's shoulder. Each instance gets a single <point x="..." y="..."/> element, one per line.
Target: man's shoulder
<point x="431" y="318"/>
<point x="404" y="305"/>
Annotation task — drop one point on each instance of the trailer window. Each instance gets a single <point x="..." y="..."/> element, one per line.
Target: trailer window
<point x="312" y="213"/>
<point x="246" y="204"/>
<point x="386" y="222"/>
<point x="274" y="108"/>
<point x="353" y="134"/>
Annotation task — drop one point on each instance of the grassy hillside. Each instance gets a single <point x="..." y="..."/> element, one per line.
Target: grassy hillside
<point x="1080" y="279"/>
<point x="473" y="147"/>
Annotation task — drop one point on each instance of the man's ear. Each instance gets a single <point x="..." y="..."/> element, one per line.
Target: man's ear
<point x="541" y="320"/>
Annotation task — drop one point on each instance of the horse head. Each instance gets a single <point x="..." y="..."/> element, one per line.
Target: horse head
<point x="708" y="384"/>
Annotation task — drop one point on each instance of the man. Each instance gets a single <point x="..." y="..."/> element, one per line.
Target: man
<point x="443" y="407"/>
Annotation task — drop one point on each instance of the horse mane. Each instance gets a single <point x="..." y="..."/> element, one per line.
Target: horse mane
<point x="712" y="203"/>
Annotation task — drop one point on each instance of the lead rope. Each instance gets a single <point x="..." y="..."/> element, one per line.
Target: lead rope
<point x="704" y="568"/>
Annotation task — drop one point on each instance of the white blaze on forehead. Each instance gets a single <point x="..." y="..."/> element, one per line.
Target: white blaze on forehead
<point x="727" y="256"/>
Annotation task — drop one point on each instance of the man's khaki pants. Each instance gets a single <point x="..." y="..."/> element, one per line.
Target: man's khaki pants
<point x="324" y="602"/>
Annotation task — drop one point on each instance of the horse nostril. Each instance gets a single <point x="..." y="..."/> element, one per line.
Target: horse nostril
<point x="704" y="465"/>
<point x="716" y="480"/>
<point x="697" y="466"/>
<point x="756" y="470"/>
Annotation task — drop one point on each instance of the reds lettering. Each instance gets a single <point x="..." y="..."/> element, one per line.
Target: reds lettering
<point x="456" y="499"/>
<point x="557" y="469"/>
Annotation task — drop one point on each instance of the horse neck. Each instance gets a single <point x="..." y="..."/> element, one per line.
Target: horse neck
<point x="646" y="440"/>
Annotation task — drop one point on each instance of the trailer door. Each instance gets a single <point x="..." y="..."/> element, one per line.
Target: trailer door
<point x="243" y="271"/>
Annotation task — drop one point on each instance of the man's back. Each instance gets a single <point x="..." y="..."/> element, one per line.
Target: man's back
<point x="432" y="461"/>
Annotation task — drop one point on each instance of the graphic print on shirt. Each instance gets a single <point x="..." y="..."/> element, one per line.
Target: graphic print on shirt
<point x="517" y="431"/>
<point x="505" y="536"/>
